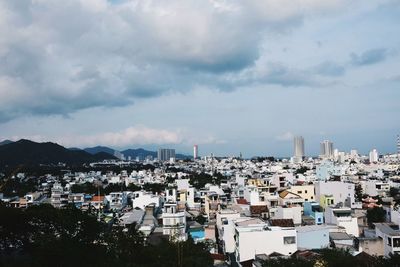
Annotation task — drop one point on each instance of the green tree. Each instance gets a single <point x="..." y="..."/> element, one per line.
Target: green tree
<point x="358" y="192"/>
<point x="375" y="215"/>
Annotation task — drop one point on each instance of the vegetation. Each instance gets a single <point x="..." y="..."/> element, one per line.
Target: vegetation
<point x="200" y="180"/>
<point x="358" y="192"/>
<point x="375" y="215"/>
<point x="45" y="236"/>
<point x="12" y="187"/>
<point x="334" y="258"/>
<point x="302" y="170"/>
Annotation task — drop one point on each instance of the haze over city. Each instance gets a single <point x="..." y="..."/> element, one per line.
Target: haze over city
<point x="230" y="76"/>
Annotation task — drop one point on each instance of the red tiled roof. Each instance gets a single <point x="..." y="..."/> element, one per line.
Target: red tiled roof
<point x="282" y="222"/>
<point x="242" y="201"/>
<point x="98" y="198"/>
<point x="257" y="210"/>
<point x="220" y="257"/>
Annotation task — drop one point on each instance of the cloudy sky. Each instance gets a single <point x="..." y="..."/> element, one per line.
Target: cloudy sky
<point x="231" y="76"/>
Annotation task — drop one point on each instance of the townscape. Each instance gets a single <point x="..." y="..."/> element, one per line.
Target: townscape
<point x="246" y="211"/>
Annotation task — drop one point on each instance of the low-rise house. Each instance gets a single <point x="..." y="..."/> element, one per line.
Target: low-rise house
<point x="141" y="199"/>
<point x="174" y="222"/>
<point x="116" y="200"/>
<point x="341" y="240"/>
<point x="313" y="236"/>
<point x="77" y="199"/>
<point x="293" y="213"/>
<point x="133" y="217"/>
<point x="255" y="236"/>
<point x="59" y="197"/>
<point x="31" y="198"/>
<point x="315" y="211"/>
<point x="287" y="198"/>
<point x="306" y="192"/>
<point x="342" y="217"/>
<point x="341" y="192"/>
<point x="390" y="234"/>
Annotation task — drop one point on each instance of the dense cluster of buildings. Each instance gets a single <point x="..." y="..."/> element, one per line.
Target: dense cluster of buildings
<point x="259" y="209"/>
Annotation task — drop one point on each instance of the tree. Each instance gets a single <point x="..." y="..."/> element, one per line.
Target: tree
<point x="375" y="215"/>
<point x="358" y="192"/>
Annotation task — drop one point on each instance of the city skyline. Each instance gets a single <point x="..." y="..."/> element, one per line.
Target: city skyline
<point x="229" y="76"/>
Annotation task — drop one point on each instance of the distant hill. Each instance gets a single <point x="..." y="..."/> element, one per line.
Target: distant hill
<point x="27" y="152"/>
<point x="143" y="153"/>
<point x="139" y="152"/>
<point x="74" y="148"/>
<point x="98" y="149"/>
<point x="6" y="142"/>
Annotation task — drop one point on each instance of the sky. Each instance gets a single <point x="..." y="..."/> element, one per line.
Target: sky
<point x="231" y="76"/>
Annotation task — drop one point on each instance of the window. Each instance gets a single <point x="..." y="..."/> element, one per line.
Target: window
<point x="287" y="240"/>
<point x="299" y="192"/>
<point x="305" y="191"/>
<point x="396" y="242"/>
<point x="389" y="241"/>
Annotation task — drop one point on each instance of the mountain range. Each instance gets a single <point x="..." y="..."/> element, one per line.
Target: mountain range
<point x="133" y="153"/>
<point x="27" y="152"/>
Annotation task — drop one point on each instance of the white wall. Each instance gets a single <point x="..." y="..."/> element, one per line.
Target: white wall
<point x="265" y="241"/>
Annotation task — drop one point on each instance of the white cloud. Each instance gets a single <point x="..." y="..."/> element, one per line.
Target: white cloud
<point x="71" y="55"/>
<point x="287" y="136"/>
<point x="131" y="136"/>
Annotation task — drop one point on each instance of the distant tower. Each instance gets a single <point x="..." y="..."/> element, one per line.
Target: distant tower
<point x="326" y="149"/>
<point x="373" y="156"/>
<point x="165" y="154"/>
<point x="298" y="152"/>
<point x="195" y="151"/>
<point x="398" y="146"/>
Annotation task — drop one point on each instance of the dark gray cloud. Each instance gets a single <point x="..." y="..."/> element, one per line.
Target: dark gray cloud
<point x="62" y="56"/>
<point x="369" y="57"/>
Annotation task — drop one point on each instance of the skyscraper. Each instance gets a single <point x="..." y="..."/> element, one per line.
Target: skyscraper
<point x="195" y="151"/>
<point x="373" y="156"/>
<point x="298" y="152"/>
<point x="165" y="154"/>
<point x="326" y="149"/>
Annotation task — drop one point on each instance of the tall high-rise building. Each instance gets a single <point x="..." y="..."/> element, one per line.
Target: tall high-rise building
<point x="326" y="149"/>
<point x="373" y="156"/>
<point x="298" y="152"/>
<point x="398" y="146"/>
<point x="195" y="151"/>
<point x="165" y="154"/>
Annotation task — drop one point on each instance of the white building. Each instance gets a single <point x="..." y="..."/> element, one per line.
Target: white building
<point x="298" y="151"/>
<point x="390" y="236"/>
<point x="226" y="229"/>
<point x="326" y="149"/>
<point x="174" y="222"/>
<point x="141" y="199"/>
<point x="254" y="236"/>
<point x="293" y="213"/>
<point x="373" y="156"/>
<point x="117" y="200"/>
<point x="375" y="188"/>
<point x="342" y="217"/>
<point x="341" y="192"/>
